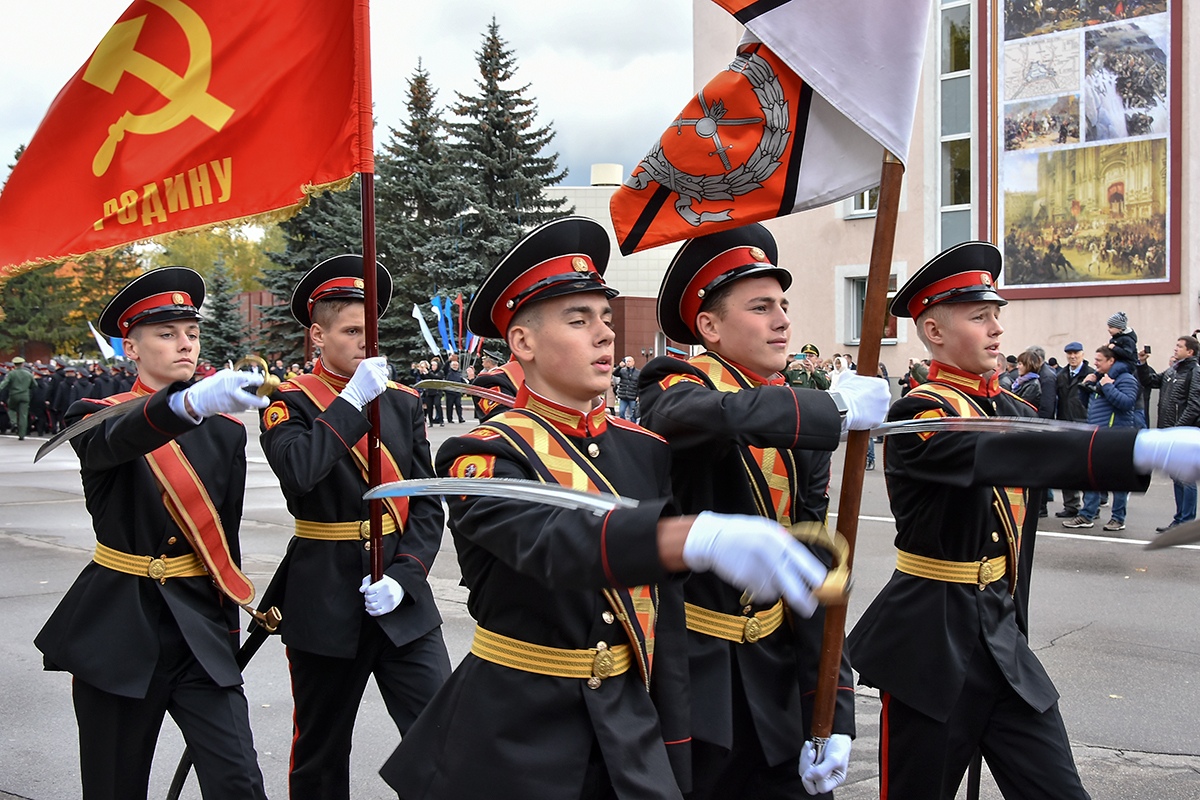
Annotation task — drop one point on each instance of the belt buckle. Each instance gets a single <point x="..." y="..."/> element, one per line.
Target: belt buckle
<point x="157" y="569"/>
<point x="987" y="574"/>
<point x="603" y="665"/>
<point x="364" y="529"/>
<point x="752" y="630"/>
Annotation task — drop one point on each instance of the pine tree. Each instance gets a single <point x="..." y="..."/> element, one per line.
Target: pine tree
<point x="500" y="152"/>
<point x="36" y="307"/>
<point x="329" y="225"/>
<point x="224" y="329"/>
<point x="418" y="193"/>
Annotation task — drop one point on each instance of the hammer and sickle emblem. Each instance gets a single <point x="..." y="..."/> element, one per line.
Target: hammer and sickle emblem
<point x="187" y="95"/>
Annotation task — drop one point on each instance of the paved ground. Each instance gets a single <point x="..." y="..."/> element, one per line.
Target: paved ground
<point x="1115" y="625"/>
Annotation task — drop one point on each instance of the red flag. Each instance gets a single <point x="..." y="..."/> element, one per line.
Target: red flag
<point x="189" y="115"/>
<point x="458" y="301"/>
<point x="789" y="125"/>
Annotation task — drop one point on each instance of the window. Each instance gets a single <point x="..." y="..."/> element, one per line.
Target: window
<point x="956" y="116"/>
<point x="864" y="204"/>
<point x="856" y="295"/>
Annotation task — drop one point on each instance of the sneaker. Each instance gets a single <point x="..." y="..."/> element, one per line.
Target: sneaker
<point x="1066" y="513"/>
<point x="1079" y="522"/>
<point x="1114" y="525"/>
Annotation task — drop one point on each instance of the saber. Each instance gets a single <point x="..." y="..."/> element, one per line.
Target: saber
<point x="1187" y="533"/>
<point x="514" y="488"/>
<point x="270" y="383"/>
<point x="467" y="389"/>
<point x="979" y="425"/>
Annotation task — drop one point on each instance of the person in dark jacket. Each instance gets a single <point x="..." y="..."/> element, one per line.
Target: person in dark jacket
<point x="150" y="626"/>
<point x="576" y="683"/>
<point x="340" y="627"/>
<point x="946" y="640"/>
<point x="1072" y="406"/>
<point x="625" y="381"/>
<point x="1178" y="404"/>
<point x="1113" y="405"/>
<point x="453" y="399"/>
<point x="1028" y="385"/>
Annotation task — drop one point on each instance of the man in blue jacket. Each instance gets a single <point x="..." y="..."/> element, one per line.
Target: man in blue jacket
<point x="1114" y="405"/>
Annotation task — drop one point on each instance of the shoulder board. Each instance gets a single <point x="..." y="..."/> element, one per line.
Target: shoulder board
<point x="288" y="386"/>
<point x="233" y="418"/>
<point x="401" y="387"/>
<point x="483" y="433"/>
<point x="625" y="424"/>
<point x="671" y="380"/>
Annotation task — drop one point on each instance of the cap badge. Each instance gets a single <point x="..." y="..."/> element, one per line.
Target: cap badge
<point x="579" y="264"/>
<point x="358" y="283"/>
<point x="986" y="278"/>
<point x="757" y="254"/>
<point x="177" y="298"/>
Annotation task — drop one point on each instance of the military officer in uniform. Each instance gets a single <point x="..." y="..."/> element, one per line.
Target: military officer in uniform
<point x="151" y="625"/>
<point x="577" y="678"/>
<point x="744" y="441"/>
<point x="946" y="641"/>
<point x="340" y="627"/>
<point x="18" y="384"/>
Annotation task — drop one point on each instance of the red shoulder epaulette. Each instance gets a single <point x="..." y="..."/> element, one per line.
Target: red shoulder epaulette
<point x="633" y="426"/>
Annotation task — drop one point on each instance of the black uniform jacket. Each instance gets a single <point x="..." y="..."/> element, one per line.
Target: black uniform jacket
<point x="918" y="635"/>
<point x="309" y="450"/>
<point x="105" y="630"/>
<point x="536" y="573"/>
<point x="710" y="431"/>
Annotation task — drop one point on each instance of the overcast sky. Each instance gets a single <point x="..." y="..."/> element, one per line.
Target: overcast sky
<point x="608" y="76"/>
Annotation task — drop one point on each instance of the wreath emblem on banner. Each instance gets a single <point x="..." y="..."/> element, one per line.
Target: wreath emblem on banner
<point x="741" y="179"/>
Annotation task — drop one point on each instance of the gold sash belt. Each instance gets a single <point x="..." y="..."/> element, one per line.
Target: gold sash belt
<point x="341" y="531"/>
<point x="980" y="572"/>
<point x="594" y="664"/>
<point x="734" y="628"/>
<point x="188" y="566"/>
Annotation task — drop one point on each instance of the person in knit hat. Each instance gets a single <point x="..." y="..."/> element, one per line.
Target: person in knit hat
<point x="1124" y="340"/>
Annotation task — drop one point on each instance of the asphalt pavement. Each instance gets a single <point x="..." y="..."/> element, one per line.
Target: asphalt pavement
<point x="1115" y="625"/>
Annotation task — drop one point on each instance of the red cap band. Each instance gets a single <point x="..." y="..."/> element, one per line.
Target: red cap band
<point x="927" y="298"/>
<point x="341" y="286"/>
<point x="164" y="300"/>
<point x="510" y="300"/>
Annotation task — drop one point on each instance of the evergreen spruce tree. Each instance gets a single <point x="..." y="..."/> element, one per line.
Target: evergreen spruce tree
<point x="329" y="225"/>
<point x="224" y="329"/>
<point x="36" y="307"/>
<point x="501" y="154"/>
<point x="418" y="193"/>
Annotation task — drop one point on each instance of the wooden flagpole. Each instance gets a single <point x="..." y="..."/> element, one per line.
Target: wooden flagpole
<point x="850" y="499"/>
<point x="370" y="283"/>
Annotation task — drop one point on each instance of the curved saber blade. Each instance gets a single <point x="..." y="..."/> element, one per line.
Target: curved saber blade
<point x="514" y="488"/>
<point x="467" y="389"/>
<point x="1187" y="533"/>
<point x="89" y="422"/>
<point x="979" y="425"/>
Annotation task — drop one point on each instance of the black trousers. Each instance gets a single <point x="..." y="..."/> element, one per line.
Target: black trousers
<point x="327" y="692"/>
<point x="1027" y="752"/>
<point x="743" y="772"/>
<point x="117" y="735"/>
<point x="453" y="402"/>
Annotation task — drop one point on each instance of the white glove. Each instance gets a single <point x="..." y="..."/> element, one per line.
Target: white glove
<point x="1175" y="451"/>
<point x="368" y="382"/>
<point x="867" y="401"/>
<point x="828" y="773"/>
<point x="381" y="597"/>
<point x="225" y="392"/>
<point x="757" y="555"/>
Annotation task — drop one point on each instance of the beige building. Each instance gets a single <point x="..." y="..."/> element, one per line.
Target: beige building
<point x="950" y="195"/>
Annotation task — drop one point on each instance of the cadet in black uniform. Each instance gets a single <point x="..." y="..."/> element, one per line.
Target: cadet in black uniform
<point x="151" y="625"/>
<point x="946" y="640"/>
<point x="314" y="437"/>
<point x="577" y="678"/>
<point x="744" y="441"/>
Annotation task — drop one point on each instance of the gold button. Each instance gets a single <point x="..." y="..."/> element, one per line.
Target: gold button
<point x="366" y="545"/>
<point x="172" y="540"/>
<point x="608" y="617"/>
<point x="593" y="682"/>
<point x="995" y="536"/>
<point x="157" y="569"/>
<point x="593" y="449"/>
